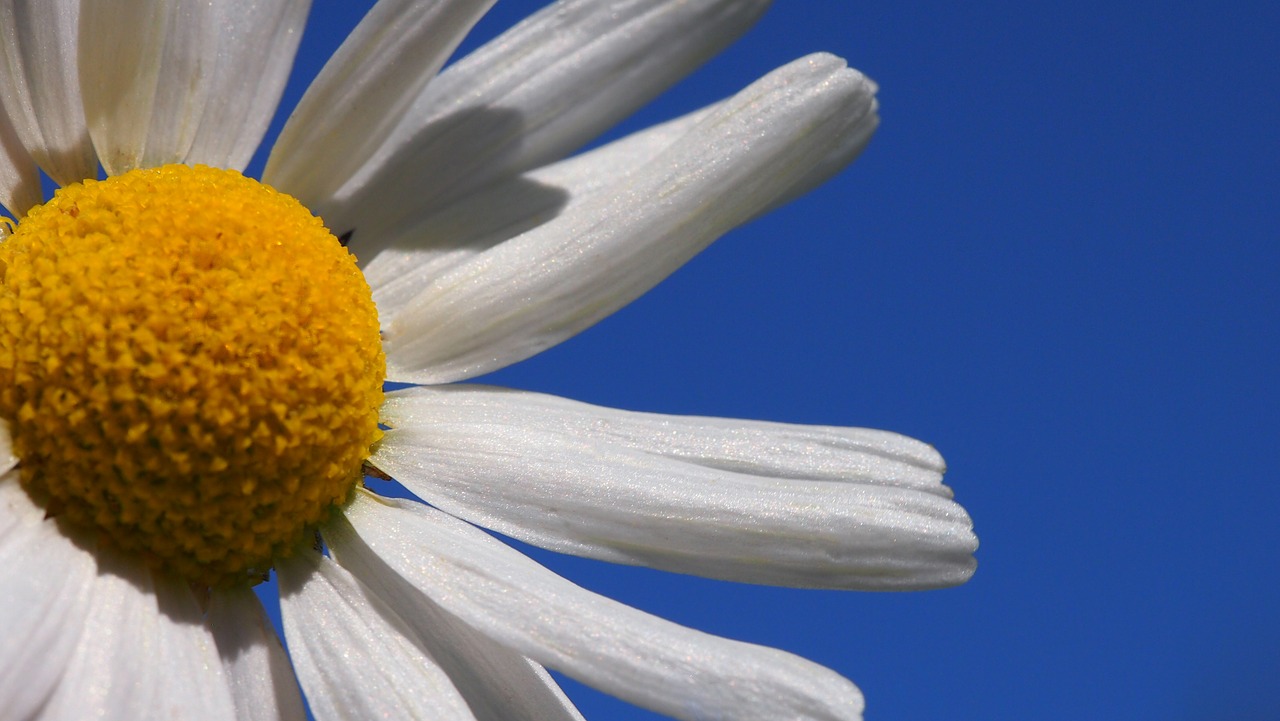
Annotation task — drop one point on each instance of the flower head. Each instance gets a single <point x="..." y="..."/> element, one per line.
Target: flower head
<point x="191" y="367"/>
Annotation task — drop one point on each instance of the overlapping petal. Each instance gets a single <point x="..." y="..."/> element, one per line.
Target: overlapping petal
<point x="40" y="86"/>
<point x="354" y="656"/>
<point x="193" y="684"/>
<point x="527" y="98"/>
<point x="552" y="282"/>
<point x="622" y="651"/>
<point x="461" y="230"/>
<point x="19" y="179"/>
<point x="143" y="80"/>
<point x="363" y="92"/>
<point x="256" y="45"/>
<point x="119" y="665"/>
<point x="805" y="506"/>
<point x="44" y="599"/>
<point x="497" y="683"/>
<point x="258" y="673"/>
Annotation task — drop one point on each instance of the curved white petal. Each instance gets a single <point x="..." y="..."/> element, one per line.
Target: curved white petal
<point x="45" y="583"/>
<point x="354" y="656"/>
<point x="40" y="85"/>
<point x="146" y="71"/>
<point x="630" y="654"/>
<point x="255" y="48"/>
<point x="497" y="683"/>
<point x="261" y="680"/>
<point x="542" y="287"/>
<point x="529" y="97"/>
<point x="363" y="91"/>
<point x="113" y="672"/>
<point x="192" y="682"/>
<point x="433" y="244"/>
<point x="19" y="179"/>
<point x="772" y="503"/>
<point x="405" y="259"/>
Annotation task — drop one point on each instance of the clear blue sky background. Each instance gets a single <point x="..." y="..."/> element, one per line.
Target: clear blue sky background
<point x="1056" y="262"/>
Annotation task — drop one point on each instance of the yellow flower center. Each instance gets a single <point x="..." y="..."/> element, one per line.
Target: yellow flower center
<point x="190" y="364"/>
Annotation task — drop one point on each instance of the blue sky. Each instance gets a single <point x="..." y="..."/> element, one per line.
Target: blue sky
<point x="1056" y="262"/>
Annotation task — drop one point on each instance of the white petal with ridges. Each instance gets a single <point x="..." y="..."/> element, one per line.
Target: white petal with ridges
<point x="258" y="673"/>
<point x="45" y="584"/>
<point x="497" y="683"/>
<point x="554" y="281"/>
<point x="432" y="241"/>
<point x="773" y="503"/>
<point x="19" y="179"/>
<point x="40" y="85"/>
<point x="192" y="682"/>
<point x="531" y="96"/>
<point x="637" y="657"/>
<point x="255" y="48"/>
<point x="363" y="91"/>
<point x="145" y="77"/>
<point x="354" y="656"/>
<point x="438" y="241"/>
<point x="114" y="673"/>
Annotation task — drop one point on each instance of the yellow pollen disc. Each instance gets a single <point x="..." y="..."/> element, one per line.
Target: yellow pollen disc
<point x="190" y="364"/>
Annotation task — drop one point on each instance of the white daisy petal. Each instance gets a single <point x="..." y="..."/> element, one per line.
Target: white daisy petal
<point x="363" y="91"/>
<point x="143" y="78"/>
<point x="113" y="672"/>
<point x="438" y="241"/>
<point x="193" y="684"/>
<point x="552" y="282"/>
<point x="404" y="260"/>
<point x="40" y="86"/>
<point x="44" y="597"/>
<point x="622" y="651"/>
<point x="19" y="179"/>
<point x="529" y="97"/>
<point x="773" y="503"/>
<point x="497" y="683"/>
<point x="261" y="680"/>
<point x="354" y="656"/>
<point x="256" y="45"/>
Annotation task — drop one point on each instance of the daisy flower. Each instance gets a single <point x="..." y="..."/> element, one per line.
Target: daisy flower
<point x="192" y="367"/>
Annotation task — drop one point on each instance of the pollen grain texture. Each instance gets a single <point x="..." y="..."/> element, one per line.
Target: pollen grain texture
<point x="190" y="366"/>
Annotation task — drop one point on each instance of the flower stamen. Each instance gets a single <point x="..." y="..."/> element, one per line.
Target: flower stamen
<point x="190" y="364"/>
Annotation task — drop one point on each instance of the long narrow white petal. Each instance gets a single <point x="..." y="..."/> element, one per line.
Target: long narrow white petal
<point x="536" y="290"/>
<point x="40" y="85"/>
<point x="497" y="683"/>
<point x="113" y="672"/>
<point x="19" y="179"/>
<point x="145" y="77"/>
<point x="45" y="583"/>
<point x="363" y="91"/>
<point x="405" y="259"/>
<point x="256" y="45"/>
<point x="529" y="97"/>
<point x="433" y="244"/>
<point x="630" y="654"/>
<point x="772" y="503"/>
<point x="355" y="657"/>
<point x="192" y="682"/>
<point x="262" y="683"/>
